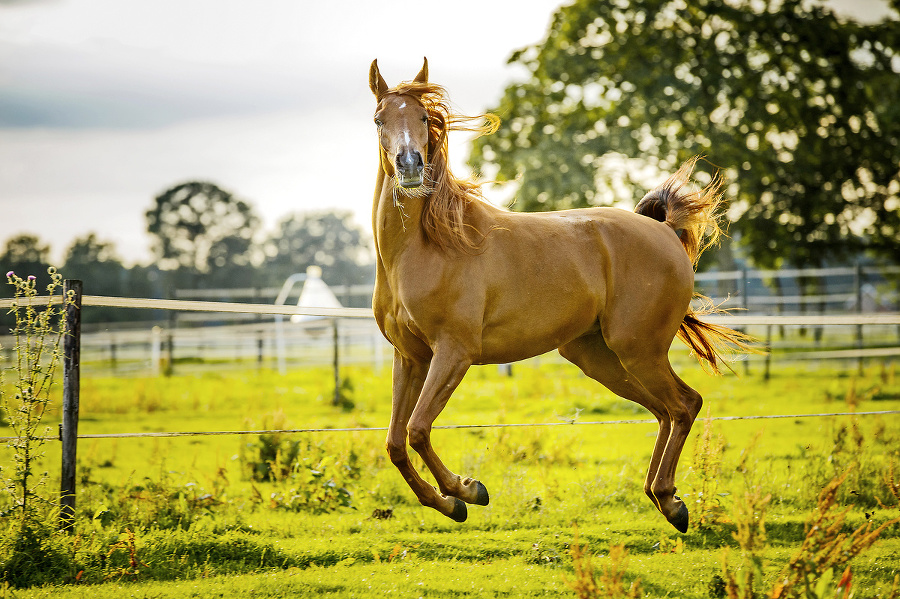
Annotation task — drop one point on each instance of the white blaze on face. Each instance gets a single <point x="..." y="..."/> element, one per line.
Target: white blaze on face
<point x="405" y="132"/>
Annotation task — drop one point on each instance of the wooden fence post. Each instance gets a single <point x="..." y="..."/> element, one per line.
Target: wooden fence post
<point x="336" y="400"/>
<point x="745" y="305"/>
<point x="170" y="352"/>
<point x="260" y="345"/>
<point x="155" y="350"/>
<point x="71" y="397"/>
<point x="859" y="310"/>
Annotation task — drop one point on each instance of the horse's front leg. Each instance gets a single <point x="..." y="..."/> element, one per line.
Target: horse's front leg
<point x="408" y="379"/>
<point x="445" y="373"/>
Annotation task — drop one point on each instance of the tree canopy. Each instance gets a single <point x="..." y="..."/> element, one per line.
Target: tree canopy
<point x="94" y="261"/>
<point x="796" y="105"/>
<point x="327" y="239"/>
<point x="199" y="226"/>
<point x="25" y="254"/>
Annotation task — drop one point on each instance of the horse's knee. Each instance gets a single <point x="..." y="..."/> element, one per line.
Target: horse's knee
<point x="397" y="453"/>
<point x="419" y="438"/>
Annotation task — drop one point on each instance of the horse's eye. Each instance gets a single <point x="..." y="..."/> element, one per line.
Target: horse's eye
<point x="425" y="119"/>
<point x="378" y="122"/>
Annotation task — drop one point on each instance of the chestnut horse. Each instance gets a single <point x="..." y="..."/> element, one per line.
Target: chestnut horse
<point x="460" y="282"/>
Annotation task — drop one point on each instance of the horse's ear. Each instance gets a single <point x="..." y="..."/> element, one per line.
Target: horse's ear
<point x="376" y="81"/>
<point x="422" y="77"/>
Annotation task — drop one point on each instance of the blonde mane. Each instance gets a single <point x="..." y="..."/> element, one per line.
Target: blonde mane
<point x="444" y="214"/>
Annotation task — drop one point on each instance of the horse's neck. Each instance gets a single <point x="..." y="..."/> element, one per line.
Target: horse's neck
<point x="396" y="220"/>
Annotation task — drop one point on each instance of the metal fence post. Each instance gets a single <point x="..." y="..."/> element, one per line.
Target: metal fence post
<point x="71" y="398"/>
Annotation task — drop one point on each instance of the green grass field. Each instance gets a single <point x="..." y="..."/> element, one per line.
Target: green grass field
<point x="327" y="514"/>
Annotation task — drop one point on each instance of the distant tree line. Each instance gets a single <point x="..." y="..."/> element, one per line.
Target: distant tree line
<point x="202" y="237"/>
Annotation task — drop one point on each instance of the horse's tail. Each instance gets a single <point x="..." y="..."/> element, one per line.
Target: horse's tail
<point x="708" y="341"/>
<point x="694" y="216"/>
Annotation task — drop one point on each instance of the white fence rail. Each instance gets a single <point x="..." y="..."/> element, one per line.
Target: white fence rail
<point x="187" y="347"/>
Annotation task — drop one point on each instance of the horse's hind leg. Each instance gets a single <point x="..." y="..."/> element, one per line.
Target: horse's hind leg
<point x="598" y="361"/>
<point x="682" y="405"/>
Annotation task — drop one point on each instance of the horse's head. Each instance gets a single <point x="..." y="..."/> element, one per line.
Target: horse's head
<point x="403" y="128"/>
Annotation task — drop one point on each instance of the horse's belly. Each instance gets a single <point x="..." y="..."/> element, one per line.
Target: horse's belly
<point x="523" y="338"/>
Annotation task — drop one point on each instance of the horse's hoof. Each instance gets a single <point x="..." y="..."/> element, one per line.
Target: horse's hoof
<point x="460" y="512"/>
<point x="482" y="498"/>
<point x="681" y="519"/>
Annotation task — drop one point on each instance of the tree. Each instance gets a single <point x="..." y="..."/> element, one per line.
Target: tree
<point x="96" y="263"/>
<point x="25" y="255"/>
<point x="198" y="227"/>
<point x="90" y="250"/>
<point x="327" y="239"/>
<point x="796" y="105"/>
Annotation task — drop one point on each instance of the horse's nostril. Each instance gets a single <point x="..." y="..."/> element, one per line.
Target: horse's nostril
<point x="410" y="161"/>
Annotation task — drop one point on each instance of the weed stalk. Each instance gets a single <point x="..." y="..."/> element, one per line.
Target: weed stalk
<point x="39" y="327"/>
<point x="611" y="581"/>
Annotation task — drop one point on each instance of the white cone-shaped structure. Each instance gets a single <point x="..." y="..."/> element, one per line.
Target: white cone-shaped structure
<point x="315" y="294"/>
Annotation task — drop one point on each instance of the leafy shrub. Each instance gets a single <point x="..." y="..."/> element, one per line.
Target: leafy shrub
<point x="311" y="477"/>
<point x="37" y="556"/>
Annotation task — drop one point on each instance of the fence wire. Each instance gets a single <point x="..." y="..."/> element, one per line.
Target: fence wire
<point x="445" y="427"/>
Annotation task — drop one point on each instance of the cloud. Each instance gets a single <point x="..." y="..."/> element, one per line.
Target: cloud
<point x="24" y="2"/>
<point x="109" y="85"/>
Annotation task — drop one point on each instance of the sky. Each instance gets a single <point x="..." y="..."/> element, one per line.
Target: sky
<point x="105" y="104"/>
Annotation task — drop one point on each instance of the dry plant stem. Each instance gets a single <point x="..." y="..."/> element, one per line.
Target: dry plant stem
<point x="37" y="333"/>
<point x="750" y="518"/>
<point x="824" y="551"/>
<point x="825" y="546"/>
<point x="893" y="485"/>
<point x="707" y="464"/>
<point x="611" y="583"/>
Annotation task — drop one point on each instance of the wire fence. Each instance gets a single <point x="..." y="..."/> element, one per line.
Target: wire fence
<point x="364" y="429"/>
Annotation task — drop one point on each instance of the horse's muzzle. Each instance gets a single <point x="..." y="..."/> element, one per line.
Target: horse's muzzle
<point x="410" y="168"/>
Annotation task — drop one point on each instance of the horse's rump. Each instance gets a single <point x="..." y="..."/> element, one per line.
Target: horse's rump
<point x="694" y="216"/>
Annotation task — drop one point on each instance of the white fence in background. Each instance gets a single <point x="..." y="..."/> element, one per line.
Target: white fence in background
<point x="852" y="316"/>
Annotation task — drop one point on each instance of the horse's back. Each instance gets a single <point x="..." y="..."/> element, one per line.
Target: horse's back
<point x="596" y="242"/>
<point x="552" y="277"/>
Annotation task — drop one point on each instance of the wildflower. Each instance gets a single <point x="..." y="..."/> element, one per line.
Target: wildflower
<point x="31" y="277"/>
<point x="10" y="274"/>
